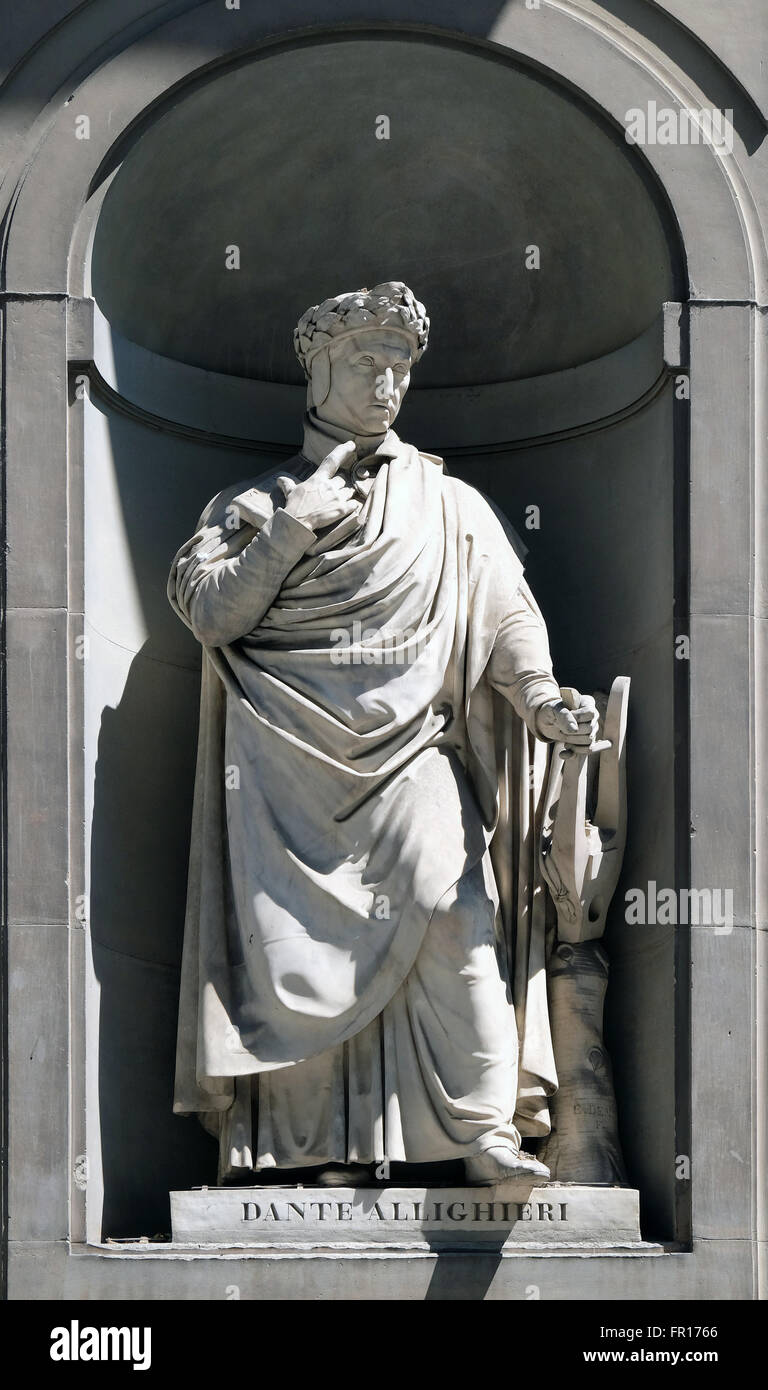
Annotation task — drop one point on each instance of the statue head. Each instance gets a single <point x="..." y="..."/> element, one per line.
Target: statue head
<point x="357" y="350"/>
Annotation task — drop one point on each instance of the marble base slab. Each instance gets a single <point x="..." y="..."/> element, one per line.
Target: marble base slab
<point x="513" y="1213"/>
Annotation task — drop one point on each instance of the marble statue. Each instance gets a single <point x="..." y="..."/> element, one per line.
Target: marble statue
<point x="363" y="974"/>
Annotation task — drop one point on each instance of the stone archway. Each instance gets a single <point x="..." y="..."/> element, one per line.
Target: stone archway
<point x="212" y="177"/>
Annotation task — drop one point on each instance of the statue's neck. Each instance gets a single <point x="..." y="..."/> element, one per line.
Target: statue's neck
<point x="320" y="436"/>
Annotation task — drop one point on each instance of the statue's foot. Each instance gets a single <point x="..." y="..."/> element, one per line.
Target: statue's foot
<point x="344" y="1175"/>
<point x="500" y="1163"/>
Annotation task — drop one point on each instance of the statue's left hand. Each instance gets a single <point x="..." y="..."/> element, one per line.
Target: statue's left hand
<point x="576" y="728"/>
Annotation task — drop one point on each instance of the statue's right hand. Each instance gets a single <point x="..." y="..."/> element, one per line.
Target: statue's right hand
<point x="325" y="498"/>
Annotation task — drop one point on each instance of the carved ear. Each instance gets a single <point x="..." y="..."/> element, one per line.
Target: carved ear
<point x="320" y="381"/>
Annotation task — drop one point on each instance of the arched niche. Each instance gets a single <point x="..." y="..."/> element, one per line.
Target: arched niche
<point x="545" y="252"/>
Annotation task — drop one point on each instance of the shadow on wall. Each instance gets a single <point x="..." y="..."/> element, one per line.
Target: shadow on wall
<point x="141" y="821"/>
<point x="146" y="491"/>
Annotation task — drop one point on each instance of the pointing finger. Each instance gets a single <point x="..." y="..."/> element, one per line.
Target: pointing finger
<point x="336" y="459"/>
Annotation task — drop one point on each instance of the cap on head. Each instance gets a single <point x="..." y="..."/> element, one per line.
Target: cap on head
<point x="389" y="305"/>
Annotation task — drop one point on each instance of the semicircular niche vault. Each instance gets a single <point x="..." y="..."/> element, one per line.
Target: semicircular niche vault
<point x="483" y="160"/>
<point x="196" y="388"/>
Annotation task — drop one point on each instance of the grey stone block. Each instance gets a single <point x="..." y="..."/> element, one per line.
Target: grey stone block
<point x="718" y="1269"/>
<point x="38" y="1181"/>
<point x="722" y="461"/>
<point x="723" y="1064"/>
<point x="722" y="811"/>
<point x="36" y="452"/>
<point x="37" y="765"/>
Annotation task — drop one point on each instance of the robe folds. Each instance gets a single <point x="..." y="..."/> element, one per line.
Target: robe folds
<point x="366" y="742"/>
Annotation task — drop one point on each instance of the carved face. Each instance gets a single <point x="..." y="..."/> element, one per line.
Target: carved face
<point x="370" y="373"/>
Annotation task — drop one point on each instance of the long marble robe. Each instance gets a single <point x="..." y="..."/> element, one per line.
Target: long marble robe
<point x="368" y="701"/>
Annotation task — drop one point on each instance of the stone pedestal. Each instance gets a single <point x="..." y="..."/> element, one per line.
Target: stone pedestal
<point x="511" y="1214"/>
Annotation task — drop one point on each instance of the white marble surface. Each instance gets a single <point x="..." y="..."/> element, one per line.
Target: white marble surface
<point x="522" y="1213"/>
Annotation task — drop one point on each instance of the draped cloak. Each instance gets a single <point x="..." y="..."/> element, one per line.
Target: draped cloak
<point x="355" y="760"/>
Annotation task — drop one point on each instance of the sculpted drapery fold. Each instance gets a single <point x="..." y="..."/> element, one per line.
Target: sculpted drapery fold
<point x="344" y="784"/>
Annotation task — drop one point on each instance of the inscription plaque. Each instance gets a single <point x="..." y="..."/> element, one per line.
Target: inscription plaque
<point x="509" y="1214"/>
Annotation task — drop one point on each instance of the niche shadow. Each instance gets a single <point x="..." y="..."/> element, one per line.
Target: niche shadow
<point x="147" y="489"/>
<point x="141" y="823"/>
